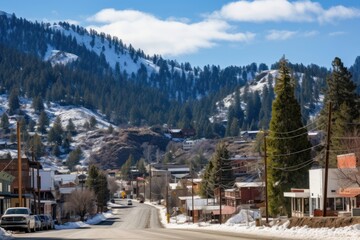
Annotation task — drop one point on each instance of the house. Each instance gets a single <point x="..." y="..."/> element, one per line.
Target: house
<point x="47" y="192"/>
<point x="190" y="144"/>
<point x="244" y="193"/>
<point x="5" y="191"/>
<point x="9" y="164"/>
<point x="343" y="192"/>
<point x="201" y="208"/>
<point x="243" y="165"/>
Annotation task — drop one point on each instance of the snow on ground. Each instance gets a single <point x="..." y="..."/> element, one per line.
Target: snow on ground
<point x="4" y="234"/>
<point x="92" y="221"/>
<point x="237" y="224"/>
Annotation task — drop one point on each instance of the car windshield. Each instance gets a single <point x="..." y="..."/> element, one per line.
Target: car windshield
<point x="17" y="211"/>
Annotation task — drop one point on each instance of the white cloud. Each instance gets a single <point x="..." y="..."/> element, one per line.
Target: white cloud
<point x="310" y="33"/>
<point x="166" y="37"/>
<point x="280" y="35"/>
<point x="283" y="10"/>
<point x="334" y="34"/>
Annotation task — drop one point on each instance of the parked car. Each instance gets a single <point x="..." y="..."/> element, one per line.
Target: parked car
<point x="38" y="223"/>
<point x="18" y="218"/>
<point x="129" y="202"/>
<point x="48" y="222"/>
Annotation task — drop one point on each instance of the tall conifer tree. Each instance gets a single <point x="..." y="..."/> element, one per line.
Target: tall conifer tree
<point x="288" y="147"/>
<point x="345" y="106"/>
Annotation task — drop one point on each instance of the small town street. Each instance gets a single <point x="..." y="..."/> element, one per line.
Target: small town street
<point x="139" y="221"/>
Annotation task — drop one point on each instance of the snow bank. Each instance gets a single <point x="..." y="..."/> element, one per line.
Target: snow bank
<point x="237" y="224"/>
<point x="4" y="234"/>
<point x="92" y="221"/>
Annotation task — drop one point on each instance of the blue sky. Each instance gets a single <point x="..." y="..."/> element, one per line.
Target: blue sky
<point x="220" y="32"/>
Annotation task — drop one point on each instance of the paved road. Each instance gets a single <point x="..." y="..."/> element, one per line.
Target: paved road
<point x="139" y="221"/>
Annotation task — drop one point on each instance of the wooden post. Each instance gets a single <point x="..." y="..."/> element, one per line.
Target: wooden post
<point x="266" y="184"/>
<point x="192" y="194"/>
<point x="220" y="217"/>
<point x="327" y="160"/>
<point x="19" y="164"/>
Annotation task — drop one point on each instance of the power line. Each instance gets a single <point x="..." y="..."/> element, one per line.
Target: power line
<point x="292" y="153"/>
<point x="284" y="138"/>
<point x="295" y="167"/>
<point x="304" y="127"/>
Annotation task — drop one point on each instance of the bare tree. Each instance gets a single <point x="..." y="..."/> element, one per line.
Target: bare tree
<point x="350" y="177"/>
<point x="81" y="202"/>
<point x="113" y="186"/>
<point x="158" y="186"/>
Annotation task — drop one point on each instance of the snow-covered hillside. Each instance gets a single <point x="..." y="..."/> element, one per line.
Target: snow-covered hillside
<point x="257" y="84"/>
<point x="102" y="45"/>
<point x="78" y="115"/>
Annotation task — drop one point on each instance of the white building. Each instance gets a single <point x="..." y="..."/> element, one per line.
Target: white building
<point x="309" y="202"/>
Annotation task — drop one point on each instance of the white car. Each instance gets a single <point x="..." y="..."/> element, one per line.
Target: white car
<point x="18" y="218"/>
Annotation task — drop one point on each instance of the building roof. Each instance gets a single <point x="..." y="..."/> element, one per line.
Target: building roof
<point x="199" y="203"/>
<point x="249" y="184"/>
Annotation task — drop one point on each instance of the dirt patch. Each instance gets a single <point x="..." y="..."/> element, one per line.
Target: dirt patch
<point x="319" y="222"/>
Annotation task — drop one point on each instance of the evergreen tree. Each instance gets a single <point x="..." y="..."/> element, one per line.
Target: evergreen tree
<point x="5" y="124"/>
<point x="38" y="104"/>
<point x="14" y="103"/>
<point x="56" y="132"/>
<point x="141" y="166"/>
<point x="70" y="127"/>
<point x="43" y="122"/>
<point x="92" y="122"/>
<point x="126" y="168"/>
<point x="206" y="188"/>
<point x="288" y="147"/>
<point x="218" y="172"/>
<point x="73" y="158"/>
<point x="345" y="106"/>
<point x="37" y="146"/>
<point x="110" y="129"/>
<point x="221" y="174"/>
<point x="97" y="182"/>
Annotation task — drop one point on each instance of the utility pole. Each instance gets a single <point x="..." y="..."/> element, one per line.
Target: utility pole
<point x="19" y="164"/>
<point x="220" y="182"/>
<point x="192" y="193"/>
<point x="266" y="184"/>
<point x="167" y="198"/>
<point x="150" y="182"/>
<point x="327" y="160"/>
<point x="33" y="181"/>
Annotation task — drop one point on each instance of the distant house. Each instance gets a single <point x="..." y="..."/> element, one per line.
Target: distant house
<point x="182" y="133"/>
<point x="244" y="164"/>
<point x="190" y="144"/>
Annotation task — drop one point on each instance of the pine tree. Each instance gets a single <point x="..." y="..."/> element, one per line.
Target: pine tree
<point x="5" y="124"/>
<point x="288" y="147"/>
<point x="221" y="174"/>
<point x="70" y="127"/>
<point x="14" y="103"/>
<point x="218" y="172"/>
<point x="345" y="106"/>
<point x="43" y="122"/>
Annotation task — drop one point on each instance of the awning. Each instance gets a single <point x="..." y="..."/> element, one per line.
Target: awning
<point x="348" y="195"/>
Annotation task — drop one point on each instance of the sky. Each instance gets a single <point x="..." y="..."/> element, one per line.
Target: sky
<point x="219" y="32"/>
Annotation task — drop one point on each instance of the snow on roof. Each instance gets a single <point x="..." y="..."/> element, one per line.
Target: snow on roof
<point x="249" y="184"/>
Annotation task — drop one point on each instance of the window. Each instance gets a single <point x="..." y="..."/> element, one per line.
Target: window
<point x="339" y="204"/>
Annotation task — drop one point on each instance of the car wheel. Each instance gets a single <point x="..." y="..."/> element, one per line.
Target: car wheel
<point x="27" y="230"/>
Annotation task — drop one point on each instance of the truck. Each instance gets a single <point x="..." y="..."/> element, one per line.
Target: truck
<point x="18" y="218"/>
